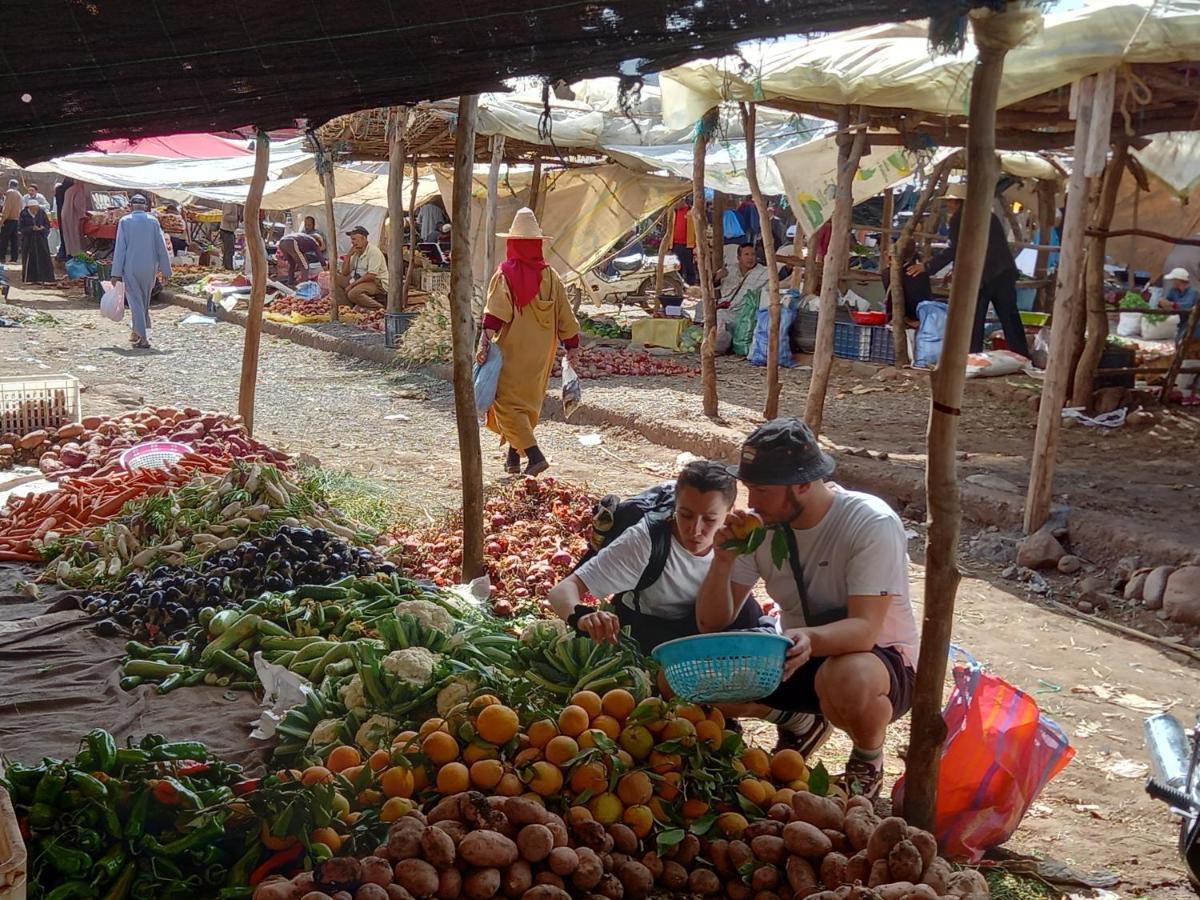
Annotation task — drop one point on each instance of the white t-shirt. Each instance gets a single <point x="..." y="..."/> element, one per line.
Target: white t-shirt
<point x="619" y="566"/>
<point x="736" y="285"/>
<point x="858" y="549"/>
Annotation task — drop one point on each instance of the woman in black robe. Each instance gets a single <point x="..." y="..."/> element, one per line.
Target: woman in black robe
<point x="36" y="265"/>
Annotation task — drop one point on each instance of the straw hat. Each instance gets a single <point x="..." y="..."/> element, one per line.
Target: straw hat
<point x="524" y="225"/>
<point x="1179" y="273"/>
<point x="956" y="191"/>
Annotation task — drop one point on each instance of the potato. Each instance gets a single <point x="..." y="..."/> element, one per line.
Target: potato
<point x="762" y="826"/>
<point x="342" y="895"/>
<point x="376" y="871"/>
<point x="800" y="876"/>
<point x="766" y="895"/>
<point x="521" y="812"/>
<point x="370" y="891"/>
<point x="404" y="839"/>
<point x="764" y="878"/>
<point x="304" y="881"/>
<point x="558" y="828"/>
<point x="860" y="802"/>
<point x="488" y="849"/>
<point x="417" y="877"/>
<point x="897" y="890"/>
<point x="589" y="869"/>
<point x="833" y="870"/>
<point x="858" y="869"/>
<point x="610" y="886"/>
<point x="887" y="835"/>
<point x="265" y="892"/>
<point x="545" y="892"/>
<point x="925" y="843"/>
<point x="879" y="873"/>
<point x="807" y="840"/>
<point x="703" y="881"/>
<point x="652" y="862"/>
<point x="446" y="808"/>
<point x="736" y="890"/>
<point x="717" y="853"/>
<point x="456" y="829"/>
<point x="966" y="882"/>
<point x="859" y="827"/>
<point x="674" y="876"/>
<point x="549" y="878"/>
<point x="921" y="892"/>
<point x="614" y="861"/>
<point x="590" y="834"/>
<point x="837" y="840"/>
<point x="769" y="849"/>
<point x="450" y="882"/>
<point x="687" y="850"/>
<point x="482" y="884"/>
<point x="562" y="860"/>
<point x="636" y="879"/>
<point x="339" y="872"/>
<point x="937" y="875"/>
<point x="517" y="878"/>
<point x="437" y="847"/>
<point x="780" y="812"/>
<point x="395" y="892"/>
<point x="904" y="862"/>
<point x="624" y="840"/>
<point x="534" y="842"/>
<point x="819" y="811"/>
<point x="739" y="854"/>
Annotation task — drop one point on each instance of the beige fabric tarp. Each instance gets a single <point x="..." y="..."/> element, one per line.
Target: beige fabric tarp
<point x="891" y="65"/>
<point x="1160" y="211"/>
<point x="1174" y="159"/>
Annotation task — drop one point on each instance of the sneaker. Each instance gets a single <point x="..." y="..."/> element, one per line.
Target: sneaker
<point x="805" y="733"/>
<point x="861" y="778"/>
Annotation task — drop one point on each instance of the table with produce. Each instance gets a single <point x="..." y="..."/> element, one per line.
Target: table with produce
<point x="435" y="744"/>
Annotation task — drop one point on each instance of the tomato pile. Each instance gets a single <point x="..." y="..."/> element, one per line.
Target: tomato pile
<point x="285" y="305"/>
<point x="537" y="532"/>
<point x="604" y="363"/>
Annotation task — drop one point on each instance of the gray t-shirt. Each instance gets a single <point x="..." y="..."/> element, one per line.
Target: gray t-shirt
<point x="858" y="549"/>
<point x="619" y="566"/>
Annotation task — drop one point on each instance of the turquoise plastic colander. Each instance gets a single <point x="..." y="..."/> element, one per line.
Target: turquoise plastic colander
<point x="728" y="667"/>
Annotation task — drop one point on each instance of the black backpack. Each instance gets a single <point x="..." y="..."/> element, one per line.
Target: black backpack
<point x="613" y="516"/>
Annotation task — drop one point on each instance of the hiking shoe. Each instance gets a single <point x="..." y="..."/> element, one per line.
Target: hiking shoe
<point x="861" y="778"/>
<point x="805" y="734"/>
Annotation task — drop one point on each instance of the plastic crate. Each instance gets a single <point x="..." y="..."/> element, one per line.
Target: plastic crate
<point x="864" y="343"/>
<point x="435" y="281"/>
<point x="12" y="852"/>
<point x="394" y="325"/>
<point x="27" y="404"/>
<point x="804" y="332"/>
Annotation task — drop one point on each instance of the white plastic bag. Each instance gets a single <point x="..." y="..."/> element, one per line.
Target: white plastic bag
<point x="991" y="363"/>
<point x="487" y="378"/>
<point x="112" y="303"/>
<point x="1162" y="330"/>
<point x="570" y="389"/>
<point x="1129" y="324"/>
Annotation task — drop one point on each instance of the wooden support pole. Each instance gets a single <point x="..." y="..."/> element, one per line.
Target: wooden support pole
<point x="887" y="218"/>
<point x="1182" y="351"/>
<point x="1131" y="268"/>
<point x="1047" y="191"/>
<point x="668" y="220"/>
<point x="771" y="406"/>
<point x="412" y="235"/>
<point x="706" y="266"/>
<point x="810" y="264"/>
<point x="327" y="181"/>
<point x="462" y="333"/>
<point x="941" y="473"/>
<point x="257" y="251"/>
<point x="397" y="150"/>
<point x="535" y="187"/>
<point x="895" y="287"/>
<point x="1093" y="282"/>
<point x="489" y="216"/>
<point x="716" y="247"/>
<point x="850" y="149"/>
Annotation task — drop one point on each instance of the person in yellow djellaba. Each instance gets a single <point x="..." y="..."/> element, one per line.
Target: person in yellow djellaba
<point x="528" y="316"/>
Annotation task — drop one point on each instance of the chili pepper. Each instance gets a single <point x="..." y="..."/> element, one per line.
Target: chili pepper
<point x="110" y="865"/>
<point x="179" y="750"/>
<point x="276" y="861"/>
<point x="21" y="776"/>
<point x="88" y="817"/>
<point x="242" y="788"/>
<point x="112" y="822"/>
<point x="132" y="756"/>
<point x="104" y="748"/>
<point x="150" y="741"/>
<point x="90" y="787"/>
<point x="120" y="887"/>
<point x="171" y="792"/>
<point x="50" y="787"/>
<point x="215" y="796"/>
<point x="240" y="873"/>
<point x="72" y="890"/>
<point x="88" y="840"/>
<point x="208" y="855"/>
<point x="197" y="838"/>
<point x="71" y="799"/>
<point x="135" y="824"/>
<point x="70" y="862"/>
<point x="215" y="874"/>
<point x="42" y="815"/>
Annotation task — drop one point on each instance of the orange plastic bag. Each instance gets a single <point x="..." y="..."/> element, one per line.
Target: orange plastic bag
<point x="1000" y="752"/>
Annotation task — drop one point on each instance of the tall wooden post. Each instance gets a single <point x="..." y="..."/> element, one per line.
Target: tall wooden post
<point x="397" y="150"/>
<point x="810" y="263"/>
<point x="258" y="281"/>
<point x="1093" y="281"/>
<point x="771" y="406"/>
<point x="463" y="337"/>
<point x="489" y="216"/>
<point x="668" y="220"/>
<point x="895" y="287"/>
<point x="716" y="247"/>
<point x="535" y="187"/>
<point x="1067" y="291"/>
<point x="327" y="182"/>
<point x="706" y="266"/>
<point x="941" y="476"/>
<point x="850" y="150"/>
<point x="412" y="234"/>
<point x="1047" y="190"/>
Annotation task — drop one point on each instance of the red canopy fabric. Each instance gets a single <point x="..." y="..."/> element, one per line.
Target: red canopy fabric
<point x="177" y="146"/>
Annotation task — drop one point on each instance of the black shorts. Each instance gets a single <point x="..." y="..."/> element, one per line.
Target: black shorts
<point x="799" y="693"/>
<point x="650" y="631"/>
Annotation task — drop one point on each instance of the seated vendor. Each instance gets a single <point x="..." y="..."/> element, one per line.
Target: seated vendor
<point x="917" y="288"/>
<point x="744" y="284"/>
<point x="362" y="278"/>
<point x="843" y="598"/>
<point x="666" y="608"/>
<point x="1181" y="295"/>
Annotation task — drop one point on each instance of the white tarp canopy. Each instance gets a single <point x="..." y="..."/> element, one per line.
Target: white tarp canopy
<point x="891" y="65"/>
<point x="1174" y="159"/>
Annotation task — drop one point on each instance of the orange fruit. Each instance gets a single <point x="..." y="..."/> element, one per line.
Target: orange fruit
<point x="618" y="703"/>
<point x="691" y="712"/>
<point x="497" y="724"/>
<point x="659" y="809"/>
<point x="578" y="814"/>
<point x="431" y="725"/>
<point x="328" y="837"/>
<point x="640" y="819"/>
<point x="404" y="737"/>
<point x="668" y="788"/>
<point x="637" y="741"/>
<point x="573" y="720"/>
<point x="587" y="740"/>
<point x="366" y="798"/>
<point x="756" y="762"/>
<point x="681" y="731"/>
<point x="798" y="785"/>
<point x="343" y="757"/>
<point x="525" y="757"/>
<point x="561" y="750"/>
<point x="339" y="805"/>
<point x="753" y="790"/>
<point x="541" y="731"/>
<point x="379" y="760"/>
<point x="316" y="775"/>
<point x="715" y="715"/>
<point x="608" y="725"/>
<point x="635" y="789"/>
<point x="509" y="785"/>
<point x="420" y="779"/>
<point x="354" y="775"/>
<point x="477" y="750"/>
<point x="650" y="709"/>
<point x="787" y="765"/>
<point x="665" y="762"/>
<point x="589" y="701"/>
<point x="453" y="778"/>
<point x="535" y="798"/>
<point x="589" y="776"/>
<point x="625" y="759"/>
<point x="709" y="732"/>
<point x="694" y="808"/>
<point x="484" y="700"/>
<point x="732" y="824"/>
<point x="486" y="773"/>
<point x="545" y="779"/>
<point x="747" y="526"/>
<point x="783" y="795"/>
<point x="606" y="808"/>
<point x="397" y="782"/>
<point x="395" y="808"/>
<point x="440" y="748"/>
<point x="270" y="841"/>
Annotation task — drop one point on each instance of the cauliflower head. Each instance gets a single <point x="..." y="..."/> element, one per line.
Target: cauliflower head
<point x="375" y="731"/>
<point x="456" y="692"/>
<point x="428" y="614"/>
<point x="539" y="629"/>
<point x="353" y="696"/>
<point x="413" y="666"/>
<point x="326" y="732"/>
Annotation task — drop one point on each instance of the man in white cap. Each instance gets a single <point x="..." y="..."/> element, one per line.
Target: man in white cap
<point x="1182" y="297"/>
<point x="139" y="257"/>
<point x="362" y="279"/>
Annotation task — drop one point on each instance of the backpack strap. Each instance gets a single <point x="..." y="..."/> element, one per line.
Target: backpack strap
<point x="811" y="617"/>
<point x="660" y="549"/>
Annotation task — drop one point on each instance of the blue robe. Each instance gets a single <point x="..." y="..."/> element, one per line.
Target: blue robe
<point x="140" y="255"/>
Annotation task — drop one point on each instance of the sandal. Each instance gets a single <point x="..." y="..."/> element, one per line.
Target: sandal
<point x="141" y="344"/>
<point x="512" y="463"/>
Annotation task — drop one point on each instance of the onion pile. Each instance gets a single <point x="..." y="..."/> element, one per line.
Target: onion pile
<point x="599" y="362"/>
<point x="286" y="305"/>
<point x="538" y="531"/>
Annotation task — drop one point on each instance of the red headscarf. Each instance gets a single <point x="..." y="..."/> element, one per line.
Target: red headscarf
<point x="523" y="269"/>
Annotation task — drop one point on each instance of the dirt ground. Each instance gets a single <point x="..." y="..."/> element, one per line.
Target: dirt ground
<point x="397" y="428"/>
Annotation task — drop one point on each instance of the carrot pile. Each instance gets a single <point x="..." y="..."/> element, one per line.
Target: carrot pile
<point x="80" y="503"/>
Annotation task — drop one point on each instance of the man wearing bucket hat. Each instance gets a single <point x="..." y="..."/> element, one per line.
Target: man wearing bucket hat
<point x="527" y="316"/>
<point x="997" y="287"/>
<point x="836" y="565"/>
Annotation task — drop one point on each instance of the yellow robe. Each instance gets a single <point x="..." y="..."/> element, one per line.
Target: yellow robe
<point x="528" y="344"/>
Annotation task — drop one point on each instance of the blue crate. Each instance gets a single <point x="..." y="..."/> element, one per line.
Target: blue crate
<point x="864" y="343"/>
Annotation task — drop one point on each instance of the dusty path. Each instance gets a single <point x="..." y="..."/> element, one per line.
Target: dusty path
<point x="1095" y="816"/>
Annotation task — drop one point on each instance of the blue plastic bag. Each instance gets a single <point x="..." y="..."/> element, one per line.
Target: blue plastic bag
<point x="762" y="337"/>
<point x="487" y="376"/>
<point x="77" y="268"/>
<point x="308" y="290"/>
<point x="731" y="225"/>
<point x="930" y="332"/>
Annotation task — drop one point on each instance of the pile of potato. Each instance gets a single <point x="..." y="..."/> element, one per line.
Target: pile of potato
<point x="480" y="847"/>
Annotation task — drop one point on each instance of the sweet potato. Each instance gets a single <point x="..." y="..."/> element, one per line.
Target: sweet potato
<point x="819" y="811"/>
<point x="762" y="826"/>
<point x="807" y="840"/>
<point x="449" y="884"/>
<point x="610" y="886"/>
<point x="376" y="871"/>
<point x="534" y="842"/>
<point x="417" y="877"/>
<point x="517" y="878"/>
<point x="590" y="834"/>
<point x="549" y="878"/>
<point x="937" y="875"/>
<point x="738" y="890"/>
<point x="887" y="835"/>
<point x="897" y="890"/>
<point x="562" y="860"/>
<point x="521" y="812"/>
<point x="800" y="876"/>
<point x="780" y="812"/>
<point x="653" y="863"/>
<point x="636" y="879"/>
<point x="404" y="839"/>
<point x="921" y="892"/>
<point x="770" y="849"/>
<point x="674" y="876"/>
<point x="446" y="808"/>
<point x="624" y="840"/>
<point x="265" y="892"/>
<point x="456" y="829"/>
<point x="558" y="828"/>
<point x="766" y="895"/>
<point x="833" y="870"/>
<point x="488" y="849"/>
<point x="395" y="892"/>
<point x="879" y="873"/>
<point x="437" y="847"/>
<point x="370" y="891"/>
<point x="482" y="884"/>
<point x="703" y="881"/>
<point x="858" y="868"/>
<point x="904" y="862"/>
<point x="966" y="882"/>
<point x="925" y="843"/>
<point x="589" y="870"/>
<point x="764" y="878"/>
<point x="687" y="850"/>
<point x="859" y="826"/>
<point x="837" y="841"/>
<point x="338" y="872"/>
<point x="545" y="892"/>
<point x="739" y="854"/>
<point x="718" y="854"/>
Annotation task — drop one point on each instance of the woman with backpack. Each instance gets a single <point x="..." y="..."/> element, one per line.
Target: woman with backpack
<point x="653" y="562"/>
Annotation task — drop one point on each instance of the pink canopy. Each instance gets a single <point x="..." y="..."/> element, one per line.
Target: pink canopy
<point x="177" y="146"/>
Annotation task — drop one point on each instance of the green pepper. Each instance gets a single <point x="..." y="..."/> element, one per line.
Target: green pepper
<point x="21" y="776"/>
<point x="42" y="815"/>
<point x="50" y="787"/>
<point x="104" y="748"/>
<point x="197" y="838"/>
<point x="215" y="796"/>
<point x="88" y="817"/>
<point x="135" y="824"/>
<point x="110" y="865"/>
<point x="112" y="822"/>
<point x="152" y="740"/>
<point x="215" y="874"/>
<point x="70" y="862"/>
<point x="86" y="760"/>
<point x="177" y="750"/>
<point x="88" y="840"/>
<point x="120" y="887"/>
<point x="132" y="756"/>
<point x="72" y="890"/>
<point x="90" y="787"/>
<point x="240" y="873"/>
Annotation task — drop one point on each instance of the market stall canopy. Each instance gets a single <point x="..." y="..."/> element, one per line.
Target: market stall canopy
<point x="889" y="69"/>
<point x="176" y="146"/>
<point x="1174" y="160"/>
<point x="128" y="68"/>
